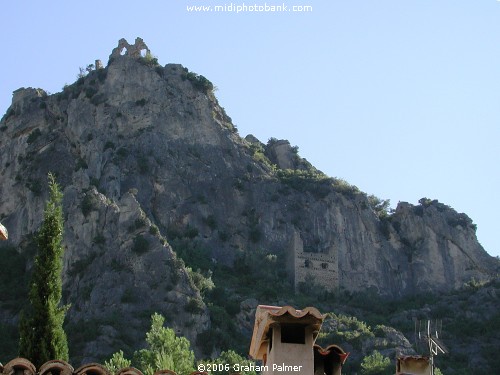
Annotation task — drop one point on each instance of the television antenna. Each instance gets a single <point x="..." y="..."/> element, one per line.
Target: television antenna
<point x="429" y="333"/>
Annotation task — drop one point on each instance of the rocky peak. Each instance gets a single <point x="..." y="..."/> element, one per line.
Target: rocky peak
<point x="154" y="175"/>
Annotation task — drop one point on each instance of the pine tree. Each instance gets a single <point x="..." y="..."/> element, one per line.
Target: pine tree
<point x="42" y="337"/>
<point x="165" y="350"/>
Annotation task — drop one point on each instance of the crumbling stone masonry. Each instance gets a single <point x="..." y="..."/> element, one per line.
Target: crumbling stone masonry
<point x="323" y="268"/>
<point x="135" y="50"/>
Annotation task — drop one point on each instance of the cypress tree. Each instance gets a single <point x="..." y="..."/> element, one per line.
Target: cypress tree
<point x="42" y="337"/>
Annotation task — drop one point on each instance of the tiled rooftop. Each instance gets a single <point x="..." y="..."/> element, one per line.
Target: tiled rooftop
<point x="21" y="366"/>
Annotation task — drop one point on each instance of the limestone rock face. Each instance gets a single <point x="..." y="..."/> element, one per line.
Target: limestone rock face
<point x="145" y="154"/>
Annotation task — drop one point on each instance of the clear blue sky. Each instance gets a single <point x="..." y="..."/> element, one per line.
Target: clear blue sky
<point x="400" y="98"/>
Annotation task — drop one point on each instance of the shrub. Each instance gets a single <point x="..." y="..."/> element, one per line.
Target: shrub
<point x="194" y="306"/>
<point x="81" y="163"/>
<point x="110" y="145"/>
<point x="314" y="182"/>
<point x="101" y="75"/>
<point x="88" y="204"/>
<point x="10" y="112"/>
<point x="343" y="187"/>
<point x="128" y="296"/>
<point x="143" y="165"/>
<point x="117" y="362"/>
<point x="380" y="206"/>
<point x="211" y="222"/>
<point x="90" y="92"/>
<point x="98" y="99"/>
<point x="159" y="70"/>
<point x="149" y="60"/>
<point x="254" y="234"/>
<point x="191" y="232"/>
<point x="33" y="136"/>
<point x="35" y="186"/>
<point x="99" y="239"/>
<point x="199" y="82"/>
<point x="201" y="282"/>
<point x="223" y="236"/>
<point x="376" y="364"/>
<point x="141" y="102"/>
<point x="78" y="267"/>
<point x="122" y="152"/>
<point x="141" y="245"/>
<point x="140" y="222"/>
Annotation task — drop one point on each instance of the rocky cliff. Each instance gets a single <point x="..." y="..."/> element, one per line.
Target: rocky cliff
<point x="148" y="160"/>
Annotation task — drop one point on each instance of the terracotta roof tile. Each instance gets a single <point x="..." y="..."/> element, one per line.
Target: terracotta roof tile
<point x="61" y="367"/>
<point x="266" y="315"/>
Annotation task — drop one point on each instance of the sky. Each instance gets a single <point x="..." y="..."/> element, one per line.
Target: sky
<point x="398" y="97"/>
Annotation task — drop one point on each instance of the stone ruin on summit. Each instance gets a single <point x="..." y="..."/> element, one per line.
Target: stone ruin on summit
<point x="136" y="50"/>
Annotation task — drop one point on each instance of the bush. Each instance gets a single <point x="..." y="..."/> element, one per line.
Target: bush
<point x="313" y="182"/>
<point x="194" y="306"/>
<point x="255" y="234"/>
<point x="101" y="75"/>
<point x="198" y="280"/>
<point x="81" y="163"/>
<point x="143" y="165"/>
<point x="376" y="364"/>
<point x="35" y="186"/>
<point x="117" y="362"/>
<point x="141" y="245"/>
<point x="140" y="222"/>
<point x="33" y="136"/>
<point x="149" y="60"/>
<point x="98" y="99"/>
<point x="90" y="92"/>
<point x="153" y="230"/>
<point x="10" y="112"/>
<point x="129" y="296"/>
<point x="99" y="239"/>
<point x="122" y="152"/>
<point x="79" y="267"/>
<point x="211" y="222"/>
<point x="380" y="206"/>
<point x="110" y="145"/>
<point x="199" y="82"/>
<point x="88" y="204"/>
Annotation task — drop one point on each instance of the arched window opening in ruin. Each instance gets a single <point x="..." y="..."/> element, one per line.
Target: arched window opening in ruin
<point x="123" y="51"/>
<point x="307" y="263"/>
<point x="144" y="52"/>
<point x="324" y="265"/>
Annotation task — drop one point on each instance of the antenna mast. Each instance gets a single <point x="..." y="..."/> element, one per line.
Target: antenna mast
<point x="431" y="337"/>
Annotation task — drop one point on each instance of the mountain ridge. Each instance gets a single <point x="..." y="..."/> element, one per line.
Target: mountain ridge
<point x="160" y="191"/>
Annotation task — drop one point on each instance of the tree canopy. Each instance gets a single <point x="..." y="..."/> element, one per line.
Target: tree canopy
<point x="164" y="351"/>
<point x="42" y="337"/>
